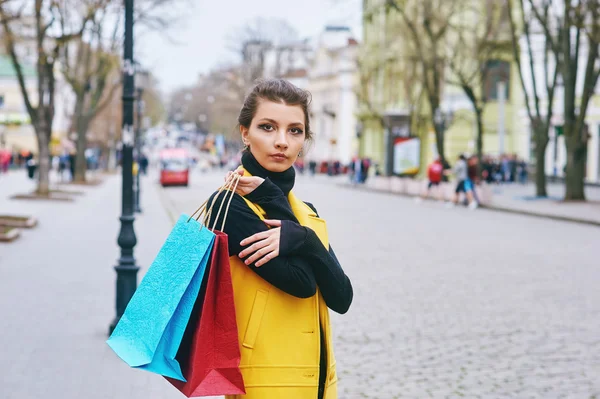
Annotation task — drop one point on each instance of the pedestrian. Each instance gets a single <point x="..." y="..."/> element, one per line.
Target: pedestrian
<point x="435" y="171"/>
<point x="285" y="274"/>
<point x="31" y="167"/>
<point x="472" y="174"/>
<point x="5" y="156"/>
<point x="312" y="167"/>
<point x="464" y="184"/>
<point x="366" y="164"/>
<point x="356" y="167"/>
<point x="522" y="171"/>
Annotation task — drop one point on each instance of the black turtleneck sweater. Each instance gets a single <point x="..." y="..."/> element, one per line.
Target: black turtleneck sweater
<point x="303" y="263"/>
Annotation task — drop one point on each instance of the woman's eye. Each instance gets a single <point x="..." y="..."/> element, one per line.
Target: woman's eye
<point x="297" y="130"/>
<point x="266" y="127"/>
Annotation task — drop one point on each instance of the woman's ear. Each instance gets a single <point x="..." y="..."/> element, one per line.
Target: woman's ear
<point x="244" y="133"/>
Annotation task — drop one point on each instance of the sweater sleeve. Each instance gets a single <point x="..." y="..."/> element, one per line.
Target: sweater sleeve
<point x="335" y="286"/>
<point x="289" y="273"/>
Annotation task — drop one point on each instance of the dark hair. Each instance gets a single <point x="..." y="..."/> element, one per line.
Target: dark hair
<point x="278" y="91"/>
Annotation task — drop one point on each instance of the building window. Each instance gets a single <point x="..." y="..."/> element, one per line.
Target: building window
<point x="496" y="71"/>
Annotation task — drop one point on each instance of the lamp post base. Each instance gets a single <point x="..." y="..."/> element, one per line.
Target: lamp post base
<point x="113" y="325"/>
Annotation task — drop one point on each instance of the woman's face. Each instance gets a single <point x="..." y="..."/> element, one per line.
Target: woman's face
<point x="276" y="135"/>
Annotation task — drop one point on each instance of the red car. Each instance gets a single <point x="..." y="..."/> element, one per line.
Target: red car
<point x="174" y="167"/>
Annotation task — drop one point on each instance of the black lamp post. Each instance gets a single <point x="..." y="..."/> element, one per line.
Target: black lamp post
<point x="127" y="269"/>
<point x="141" y="78"/>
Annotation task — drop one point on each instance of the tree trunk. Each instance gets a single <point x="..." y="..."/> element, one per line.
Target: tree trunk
<point x="575" y="177"/>
<point x="80" y="160"/>
<point x="541" y="142"/>
<point x="439" y="141"/>
<point x="43" y="139"/>
<point x="479" y="143"/>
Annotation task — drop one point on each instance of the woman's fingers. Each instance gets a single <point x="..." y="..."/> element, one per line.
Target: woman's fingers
<point x="253" y="248"/>
<point x="255" y="237"/>
<point x="267" y="258"/>
<point x="260" y="255"/>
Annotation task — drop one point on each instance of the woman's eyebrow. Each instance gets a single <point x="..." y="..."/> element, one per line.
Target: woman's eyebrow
<point x="269" y="120"/>
<point x="273" y="121"/>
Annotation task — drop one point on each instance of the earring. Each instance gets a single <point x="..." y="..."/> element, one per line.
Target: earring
<point x="300" y="153"/>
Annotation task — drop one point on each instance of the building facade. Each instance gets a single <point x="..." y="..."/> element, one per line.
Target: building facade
<point x="332" y="80"/>
<point x="383" y="88"/>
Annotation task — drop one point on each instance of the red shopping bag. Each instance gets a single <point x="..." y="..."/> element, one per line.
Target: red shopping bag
<point x="209" y="354"/>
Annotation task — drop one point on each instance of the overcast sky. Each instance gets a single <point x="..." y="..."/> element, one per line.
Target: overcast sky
<point x="201" y="34"/>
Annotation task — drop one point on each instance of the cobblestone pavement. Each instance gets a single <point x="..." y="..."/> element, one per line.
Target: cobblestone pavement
<point x="454" y="303"/>
<point x="448" y="303"/>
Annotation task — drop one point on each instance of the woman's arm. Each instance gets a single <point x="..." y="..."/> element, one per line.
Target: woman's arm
<point x="289" y="273"/>
<point x="333" y="283"/>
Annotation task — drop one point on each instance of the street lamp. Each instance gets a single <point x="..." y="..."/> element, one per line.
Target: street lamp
<point x="126" y="269"/>
<point x="141" y="82"/>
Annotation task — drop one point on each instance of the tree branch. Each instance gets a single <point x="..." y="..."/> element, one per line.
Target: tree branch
<point x="517" y="55"/>
<point x="10" y="48"/>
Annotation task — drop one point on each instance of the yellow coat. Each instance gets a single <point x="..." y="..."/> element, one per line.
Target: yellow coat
<point x="279" y="333"/>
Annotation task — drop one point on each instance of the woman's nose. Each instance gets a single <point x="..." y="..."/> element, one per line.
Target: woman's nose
<point x="281" y="140"/>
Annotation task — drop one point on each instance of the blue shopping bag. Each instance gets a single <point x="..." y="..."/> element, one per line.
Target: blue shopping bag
<point x="150" y="331"/>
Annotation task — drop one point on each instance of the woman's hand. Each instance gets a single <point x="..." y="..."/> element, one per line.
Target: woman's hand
<point x="265" y="245"/>
<point x="247" y="184"/>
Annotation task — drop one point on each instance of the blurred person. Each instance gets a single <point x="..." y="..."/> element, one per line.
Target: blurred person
<point x="435" y="171"/>
<point x="463" y="183"/>
<point x="5" y="157"/>
<point x="366" y="165"/>
<point x="31" y="167"/>
<point x="473" y="175"/>
<point x="505" y="168"/>
<point x="143" y="164"/>
<point x="279" y="246"/>
<point x="356" y="168"/>
<point x="312" y="167"/>
<point x="522" y="171"/>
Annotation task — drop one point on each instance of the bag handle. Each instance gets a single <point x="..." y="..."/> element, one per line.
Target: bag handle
<point x="202" y="208"/>
<point x="236" y="180"/>
<point x="229" y="187"/>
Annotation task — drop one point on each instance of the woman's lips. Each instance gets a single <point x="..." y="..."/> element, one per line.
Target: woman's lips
<point x="279" y="157"/>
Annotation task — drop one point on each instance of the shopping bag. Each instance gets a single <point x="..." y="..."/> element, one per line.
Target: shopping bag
<point x="210" y="352"/>
<point x="149" y="333"/>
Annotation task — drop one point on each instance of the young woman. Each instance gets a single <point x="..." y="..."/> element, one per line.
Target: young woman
<point x="285" y="274"/>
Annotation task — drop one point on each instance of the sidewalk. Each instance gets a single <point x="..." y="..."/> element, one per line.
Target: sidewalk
<point x="57" y="288"/>
<point x="519" y="199"/>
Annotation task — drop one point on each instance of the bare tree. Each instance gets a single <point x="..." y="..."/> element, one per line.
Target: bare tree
<point x="540" y="112"/>
<point x="213" y="103"/>
<point x="579" y="48"/>
<point x="91" y="71"/>
<point x="372" y="110"/>
<point x="257" y="39"/>
<point x="40" y="16"/>
<point x="476" y="41"/>
<point x="91" y="64"/>
<point x="570" y="31"/>
<point x="428" y="23"/>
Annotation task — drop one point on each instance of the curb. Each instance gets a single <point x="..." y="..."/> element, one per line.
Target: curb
<point x="487" y="207"/>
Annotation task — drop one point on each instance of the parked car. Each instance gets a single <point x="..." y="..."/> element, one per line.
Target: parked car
<point x="174" y="167"/>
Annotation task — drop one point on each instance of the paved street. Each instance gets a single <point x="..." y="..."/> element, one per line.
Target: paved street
<point x="448" y="303"/>
<point x="453" y="303"/>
